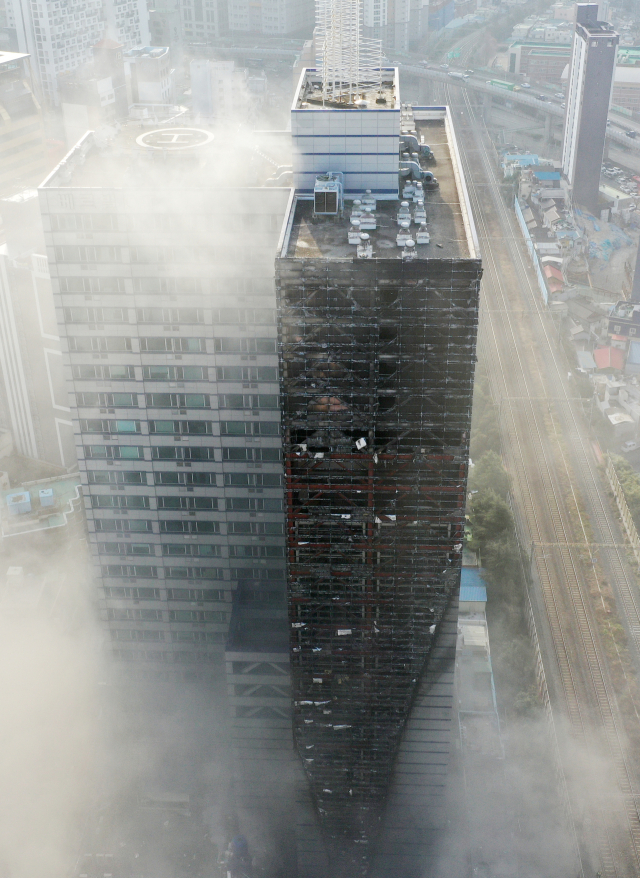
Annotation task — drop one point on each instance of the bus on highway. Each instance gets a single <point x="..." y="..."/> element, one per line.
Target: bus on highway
<point x="500" y="83"/>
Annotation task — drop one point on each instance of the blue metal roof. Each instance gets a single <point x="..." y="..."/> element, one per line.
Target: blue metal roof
<point x="472" y="587"/>
<point x="547" y="175"/>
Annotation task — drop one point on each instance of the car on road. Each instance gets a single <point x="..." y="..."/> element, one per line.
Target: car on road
<point x="563" y="105"/>
<point x="469" y="72"/>
<point x="629" y="445"/>
<point x="558" y="95"/>
<point x="631" y="133"/>
<point x="525" y="85"/>
<point x="444" y="66"/>
<point x="542" y="97"/>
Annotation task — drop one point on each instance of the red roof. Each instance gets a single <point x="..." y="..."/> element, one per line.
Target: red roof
<point x="609" y="358"/>
<point x="552" y="271"/>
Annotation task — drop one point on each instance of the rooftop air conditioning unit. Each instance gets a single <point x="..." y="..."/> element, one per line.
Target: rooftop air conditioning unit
<point x="328" y="194"/>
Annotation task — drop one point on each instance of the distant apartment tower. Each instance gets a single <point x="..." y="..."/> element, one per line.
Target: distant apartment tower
<point x="22" y="147"/>
<point x="164" y="291"/>
<point x="388" y="20"/>
<point x="59" y="36"/>
<point x="271" y="17"/>
<point x="593" y="60"/>
<point x="378" y="319"/>
<point x="203" y="20"/>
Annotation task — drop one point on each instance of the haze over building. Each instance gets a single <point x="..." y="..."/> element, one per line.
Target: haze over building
<point x="167" y="319"/>
<point x="593" y="59"/>
<point x="59" y="36"/>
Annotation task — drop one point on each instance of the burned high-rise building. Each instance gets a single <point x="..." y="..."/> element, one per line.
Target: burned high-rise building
<point x="377" y="276"/>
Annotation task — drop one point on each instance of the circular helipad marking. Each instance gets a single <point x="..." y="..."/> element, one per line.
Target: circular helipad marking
<point x="174" y="138"/>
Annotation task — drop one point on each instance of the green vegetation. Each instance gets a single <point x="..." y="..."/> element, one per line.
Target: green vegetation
<point x="630" y="482"/>
<point x="494" y="538"/>
<point x="485" y="434"/>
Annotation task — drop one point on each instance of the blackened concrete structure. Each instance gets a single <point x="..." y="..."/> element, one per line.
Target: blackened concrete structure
<point x="593" y="59"/>
<point x="377" y="360"/>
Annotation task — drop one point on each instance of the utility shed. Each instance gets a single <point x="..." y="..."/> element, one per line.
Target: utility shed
<point x="377" y="357"/>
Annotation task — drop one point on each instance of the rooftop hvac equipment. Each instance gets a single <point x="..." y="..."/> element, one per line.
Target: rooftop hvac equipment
<point x="46" y="497"/>
<point x="328" y="194"/>
<point x="19" y="503"/>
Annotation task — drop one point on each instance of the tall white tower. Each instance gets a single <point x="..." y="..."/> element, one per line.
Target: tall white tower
<point x="347" y="62"/>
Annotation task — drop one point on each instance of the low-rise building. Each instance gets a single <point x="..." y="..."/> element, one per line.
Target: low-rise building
<point x="539" y="60"/>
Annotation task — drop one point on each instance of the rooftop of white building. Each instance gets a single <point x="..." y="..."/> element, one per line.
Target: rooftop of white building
<point x="447" y="213"/>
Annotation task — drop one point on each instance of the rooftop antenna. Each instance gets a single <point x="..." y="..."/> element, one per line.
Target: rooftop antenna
<point x="348" y="63"/>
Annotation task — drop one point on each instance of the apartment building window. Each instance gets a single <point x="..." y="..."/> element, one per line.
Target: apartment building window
<point x="200" y="480"/>
<point x="249" y="428"/>
<point x="272" y="455"/>
<point x="125" y="549"/>
<point x="90" y="222"/>
<point x="271" y="528"/>
<point x="247" y="373"/>
<point x="133" y="615"/>
<point x="96" y="425"/>
<point x="114" y="452"/>
<point x="95" y="315"/>
<point x="112" y="501"/>
<point x="109" y="343"/>
<point x="105" y="373"/>
<point x="178" y="400"/>
<point x="190" y="503"/>
<point x="115" y="477"/>
<point x="236" y="316"/>
<point x="248" y="401"/>
<point x="195" y="595"/>
<point x="170" y="315"/>
<point x="179" y="452"/>
<point x="195" y="637"/>
<point x="197" y="616"/>
<point x="194" y="573"/>
<point x="131" y="593"/>
<point x="256" y="551"/>
<point x="172" y="343"/>
<point x="256" y="480"/>
<point x="88" y="254"/>
<point x="175" y="373"/>
<point x="196" y="549"/>
<point x="244" y="345"/>
<point x="141" y="571"/>
<point x="186" y="527"/>
<point x="123" y="525"/>
<point x="107" y="400"/>
<point x="146" y="635"/>
<point x="253" y="504"/>
<point x="196" y="428"/>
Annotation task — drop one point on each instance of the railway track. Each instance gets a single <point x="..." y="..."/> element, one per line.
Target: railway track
<point x="544" y="518"/>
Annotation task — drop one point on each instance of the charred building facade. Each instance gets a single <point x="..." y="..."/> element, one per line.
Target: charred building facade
<point x="377" y="288"/>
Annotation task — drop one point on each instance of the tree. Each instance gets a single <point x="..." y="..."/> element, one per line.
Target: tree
<point x="488" y="474"/>
<point x="490" y="518"/>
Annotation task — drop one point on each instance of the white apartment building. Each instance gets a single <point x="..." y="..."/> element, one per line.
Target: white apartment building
<point x="59" y="35"/>
<point x="203" y="20"/>
<point x="271" y="16"/>
<point x="388" y="20"/>
<point x="163" y="283"/>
